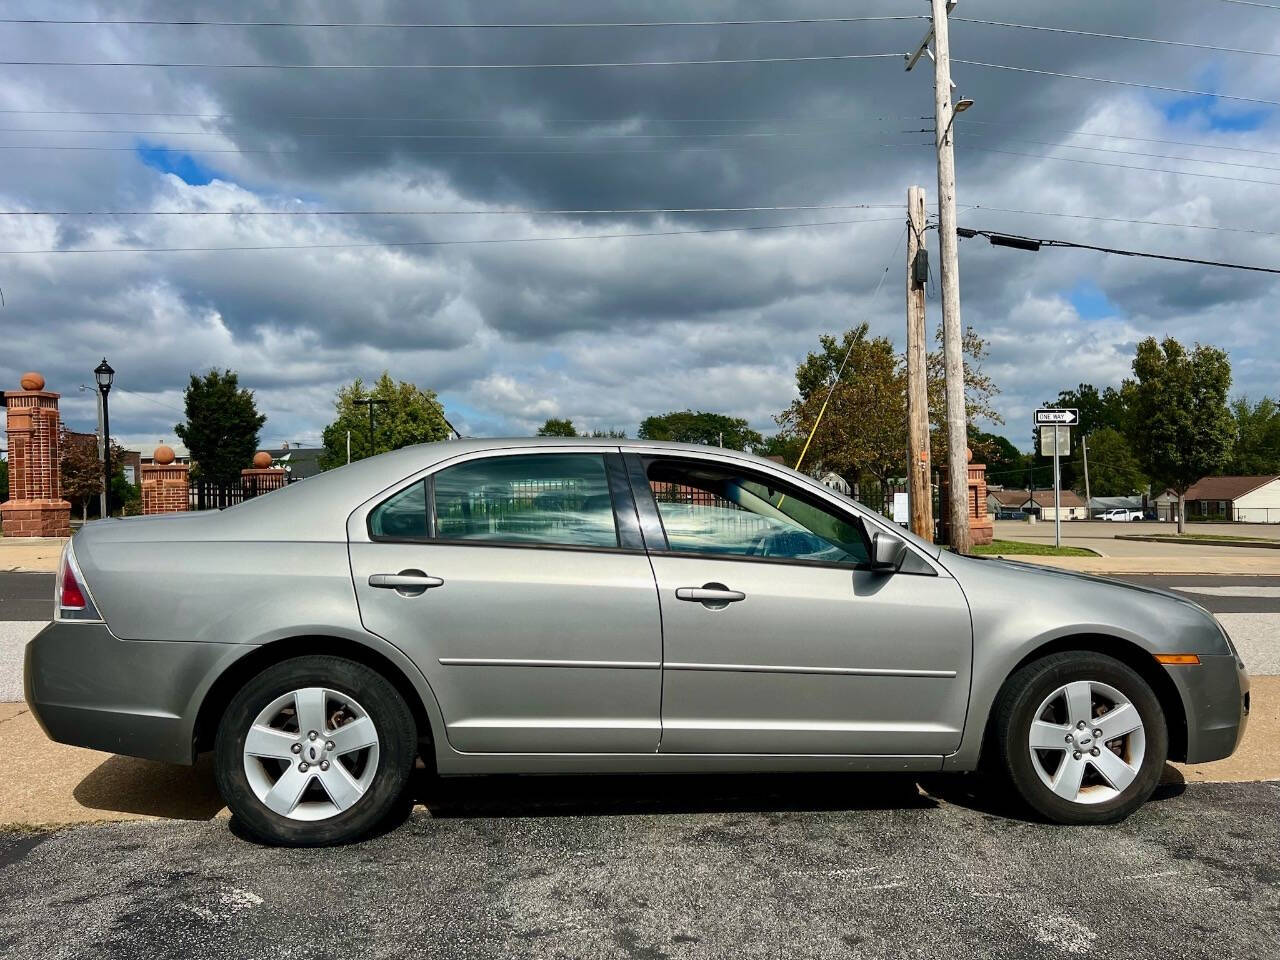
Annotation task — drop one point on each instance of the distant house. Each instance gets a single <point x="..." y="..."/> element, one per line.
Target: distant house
<point x="1040" y="505"/>
<point x="1240" y="499"/>
<point x="1100" y="505"/>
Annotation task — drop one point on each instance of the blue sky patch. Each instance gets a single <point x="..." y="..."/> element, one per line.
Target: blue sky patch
<point x="185" y="166"/>
<point x="1090" y="302"/>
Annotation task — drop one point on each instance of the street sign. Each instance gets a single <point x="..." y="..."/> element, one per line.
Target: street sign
<point x="1046" y="440"/>
<point x="1067" y="416"/>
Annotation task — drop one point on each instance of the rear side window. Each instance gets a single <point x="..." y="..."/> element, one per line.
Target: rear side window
<point x="553" y="499"/>
<point x="402" y="517"/>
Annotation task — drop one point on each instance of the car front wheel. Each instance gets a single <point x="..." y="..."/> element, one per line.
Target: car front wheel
<point x="1082" y="737"/>
<point x="314" y="751"/>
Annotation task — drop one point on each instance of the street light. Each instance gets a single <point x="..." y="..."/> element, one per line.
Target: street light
<point x="104" y="375"/>
<point x="369" y="402"/>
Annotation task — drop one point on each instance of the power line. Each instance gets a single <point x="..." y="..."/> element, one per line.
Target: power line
<point x="448" y="243"/>
<point x="1035" y="243"/>
<point x="421" y="153"/>
<point x="1114" y="36"/>
<point x="439" y="66"/>
<point x="1123" y="83"/>
<point x="151" y="22"/>
<point x="1253" y="3"/>
<point x="758" y="134"/>
<point x="1128" y="166"/>
<point x="526" y="211"/>
<point x="1124" y="136"/>
<point x="1139" y="153"/>
<point x="1126" y="220"/>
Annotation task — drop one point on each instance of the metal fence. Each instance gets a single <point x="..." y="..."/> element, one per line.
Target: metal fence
<point x="207" y="495"/>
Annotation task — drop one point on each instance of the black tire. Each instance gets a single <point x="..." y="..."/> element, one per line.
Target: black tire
<point x="1023" y="694"/>
<point x="397" y="749"/>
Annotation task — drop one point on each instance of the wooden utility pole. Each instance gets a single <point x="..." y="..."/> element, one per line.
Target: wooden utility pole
<point x="918" y="462"/>
<point x="952" y="331"/>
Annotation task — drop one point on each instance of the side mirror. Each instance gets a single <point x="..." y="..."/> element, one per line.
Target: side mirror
<point x="887" y="552"/>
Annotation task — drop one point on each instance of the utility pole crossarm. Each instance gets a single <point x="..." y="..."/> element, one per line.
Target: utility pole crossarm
<point x="923" y="48"/>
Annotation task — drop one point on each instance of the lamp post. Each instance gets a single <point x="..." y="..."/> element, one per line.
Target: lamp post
<point x="369" y="402"/>
<point x="104" y="375"/>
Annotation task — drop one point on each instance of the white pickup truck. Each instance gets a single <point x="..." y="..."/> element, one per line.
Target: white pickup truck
<point x="1121" y="514"/>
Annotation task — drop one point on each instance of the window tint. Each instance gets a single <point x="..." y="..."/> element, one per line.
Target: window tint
<point x="715" y="510"/>
<point x="554" y="498"/>
<point x="403" y="517"/>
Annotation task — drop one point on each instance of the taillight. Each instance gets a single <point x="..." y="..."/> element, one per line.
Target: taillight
<point x="71" y="600"/>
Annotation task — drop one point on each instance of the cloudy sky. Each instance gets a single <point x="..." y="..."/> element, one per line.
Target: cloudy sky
<point x="607" y="331"/>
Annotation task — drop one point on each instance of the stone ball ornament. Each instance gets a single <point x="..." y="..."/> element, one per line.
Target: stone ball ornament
<point x="32" y="381"/>
<point x="261" y="460"/>
<point x="163" y="455"/>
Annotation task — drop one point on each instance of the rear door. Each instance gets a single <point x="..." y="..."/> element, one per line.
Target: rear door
<point x="518" y="582"/>
<point x="778" y="639"/>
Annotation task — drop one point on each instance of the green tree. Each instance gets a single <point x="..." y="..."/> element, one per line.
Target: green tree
<point x="81" y="471"/>
<point x="222" y="426"/>
<point x="1006" y="465"/>
<point x="979" y="390"/>
<point x="712" y="429"/>
<point x="785" y="444"/>
<point x="406" y="414"/>
<point x="864" y="427"/>
<point x="610" y="434"/>
<point x="557" y="428"/>
<point x="1182" y="428"/>
<point x="1099" y="409"/>
<point x="1114" y="471"/>
<point x="1257" y="446"/>
<point x="4" y="480"/>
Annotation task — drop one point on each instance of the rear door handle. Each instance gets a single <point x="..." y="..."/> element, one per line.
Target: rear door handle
<point x="407" y="583"/>
<point x="714" y="596"/>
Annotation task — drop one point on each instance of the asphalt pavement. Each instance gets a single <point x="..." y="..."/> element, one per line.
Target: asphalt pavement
<point x="793" y="867"/>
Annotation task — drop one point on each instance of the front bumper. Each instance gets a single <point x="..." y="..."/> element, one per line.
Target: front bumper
<point x="89" y="689"/>
<point x="1215" y="695"/>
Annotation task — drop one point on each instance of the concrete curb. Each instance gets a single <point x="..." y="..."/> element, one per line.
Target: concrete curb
<point x="1202" y="542"/>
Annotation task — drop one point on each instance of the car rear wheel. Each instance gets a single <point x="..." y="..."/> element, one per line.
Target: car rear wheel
<point x="1082" y="737"/>
<point x="315" y="751"/>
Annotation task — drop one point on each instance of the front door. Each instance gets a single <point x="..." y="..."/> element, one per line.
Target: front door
<point x="779" y="640"/>
<point x="530" y="608"/>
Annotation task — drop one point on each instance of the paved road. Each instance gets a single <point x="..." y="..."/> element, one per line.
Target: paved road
<point x="687" y="868"/>
<point x="26" y="596"/>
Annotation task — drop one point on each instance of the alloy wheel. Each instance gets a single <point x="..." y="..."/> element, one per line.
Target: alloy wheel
<point x="1087" y="742"/>
<point x="311" y="754"/>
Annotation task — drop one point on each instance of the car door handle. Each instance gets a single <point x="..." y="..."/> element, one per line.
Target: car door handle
<point x="405" y="581"/>
<point x="710" y="594"/>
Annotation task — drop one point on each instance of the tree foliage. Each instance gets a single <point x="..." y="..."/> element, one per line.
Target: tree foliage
<point x="979" y="390"/>
<point x="557" y="428"/>
<point x="222" y="426"/>
<point x="712" y="429"/>
<point x="406" y="415"/>
<point x="1256" y="450"/>
<point x="4" y="480"/>
<point x="1114" y="471"/>
<point x="81" y="474"/>
<point x="864" y="427"/>
<point x="1182" y="428"/>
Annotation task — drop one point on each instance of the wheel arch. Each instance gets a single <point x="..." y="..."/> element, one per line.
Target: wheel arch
<point x="1131" y="655"/>
<point x="416" y="694"/>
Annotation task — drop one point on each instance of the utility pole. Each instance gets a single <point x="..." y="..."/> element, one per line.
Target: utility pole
<point x="370" y="401"/>
<point x="1084" y="452"/>
<point x="918" y="461"/>
<point x="952" y="333"/>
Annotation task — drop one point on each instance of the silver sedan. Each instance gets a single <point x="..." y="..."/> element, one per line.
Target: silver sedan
<point x="546" y="606"/>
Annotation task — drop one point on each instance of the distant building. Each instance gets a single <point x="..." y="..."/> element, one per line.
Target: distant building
<point x="1039" y="505"/>
<point x="1228" y="499"/>
<point x="1100" y="505"/>
<point x="298" y="462"/>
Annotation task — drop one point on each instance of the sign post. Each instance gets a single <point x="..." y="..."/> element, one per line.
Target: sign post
<point x="1056" y="418"/>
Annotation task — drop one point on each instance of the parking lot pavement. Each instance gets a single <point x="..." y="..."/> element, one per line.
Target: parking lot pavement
<point x="796" y="867"/>
<point x="26" y="596"/>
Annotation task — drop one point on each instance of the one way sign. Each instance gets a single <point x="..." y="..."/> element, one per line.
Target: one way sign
<point x="1063" y="416"/>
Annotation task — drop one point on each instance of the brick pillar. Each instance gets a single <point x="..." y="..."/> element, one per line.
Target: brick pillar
<point x="35" y="507"/>
<point x="166" y="485"/>
<point x="261" y="477"/>
<point x="981" y="527"/>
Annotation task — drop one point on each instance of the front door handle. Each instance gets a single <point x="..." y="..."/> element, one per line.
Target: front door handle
<point x="407" y="583"/>
<point x="714" y="596"/>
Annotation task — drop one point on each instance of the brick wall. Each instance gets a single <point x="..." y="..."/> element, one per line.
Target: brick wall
<point x="35" y="507"/>
<point x="165" y="488"/>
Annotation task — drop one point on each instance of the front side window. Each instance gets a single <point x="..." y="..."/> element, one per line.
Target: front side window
<point x="711" y="509"/>
<point x="551" y="498"/>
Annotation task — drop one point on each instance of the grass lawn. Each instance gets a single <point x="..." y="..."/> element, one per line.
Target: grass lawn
<point x="1009" y="548"/>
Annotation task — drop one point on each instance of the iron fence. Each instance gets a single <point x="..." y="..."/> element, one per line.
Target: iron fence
<point x="208" y="495"/>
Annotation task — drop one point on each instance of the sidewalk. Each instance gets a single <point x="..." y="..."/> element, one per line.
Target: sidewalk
<point x="1245" y="566"/>
<point x="30" y="554"/>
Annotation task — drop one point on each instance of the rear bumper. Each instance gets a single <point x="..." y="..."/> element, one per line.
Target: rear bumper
<point x="89" y="689"/>
<point x="1216" y="697"/>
